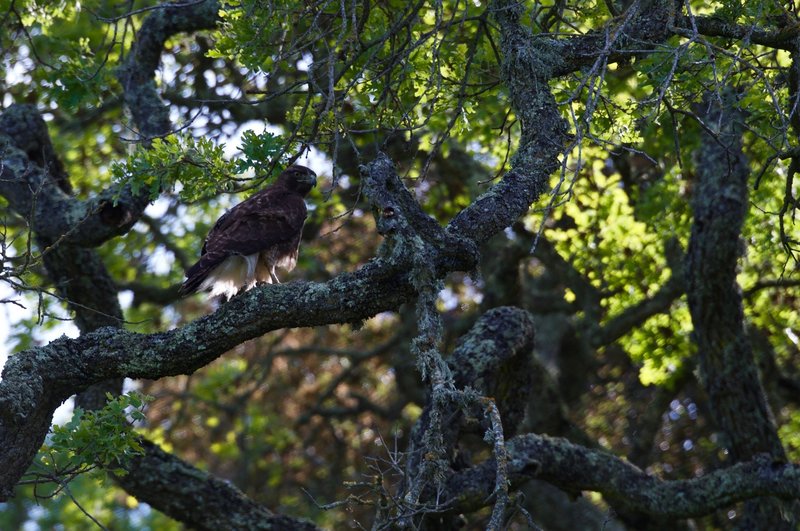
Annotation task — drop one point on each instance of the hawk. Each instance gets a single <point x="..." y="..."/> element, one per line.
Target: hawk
<point x="253" y="238"/>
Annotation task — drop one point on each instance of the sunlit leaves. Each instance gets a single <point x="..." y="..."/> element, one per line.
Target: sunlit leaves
<point x="790" y="435"/>
<point x="68" y="472"/>
<point x="66" y="52"/>
<point x="349" y="80"/>
<point x="259" y="153"/>
<point x="428" y="83"/>
<point x="197" y="164"/>
<point x="101" y="438"/>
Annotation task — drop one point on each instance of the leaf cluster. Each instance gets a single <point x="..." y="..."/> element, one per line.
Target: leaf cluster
<point x="197" y="167"/>
<point x="101" y="438"/>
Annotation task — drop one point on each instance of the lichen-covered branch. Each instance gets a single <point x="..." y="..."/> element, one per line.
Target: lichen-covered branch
<point x="575" y="468"/>
<point x="492" y="360"/>
<point x="35" y="185"/>
<point x="197" y="498"/>
<point x="137" y="75"/>
<point x="527" y="68"/>
<point x="35" y="382"/>
<point x="409" y="229"/>
<point x="727" y="366"/>
<point x="37" y="189"/>
<point x="781" y="38"/>
<point x="529" y="62"/>
<point x="159" y="479"/>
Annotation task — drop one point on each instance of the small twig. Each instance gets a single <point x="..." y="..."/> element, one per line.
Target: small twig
<point x="84" y="511"/>
<point x="495" y="436"/>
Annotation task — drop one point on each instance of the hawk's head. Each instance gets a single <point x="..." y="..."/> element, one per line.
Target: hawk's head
<point x="298" y="178"/>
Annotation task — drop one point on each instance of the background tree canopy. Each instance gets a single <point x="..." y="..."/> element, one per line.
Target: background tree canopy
<point x="549" y="278"/>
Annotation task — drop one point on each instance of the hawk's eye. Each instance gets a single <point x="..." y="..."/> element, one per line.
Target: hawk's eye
<point x="388" y="212"/>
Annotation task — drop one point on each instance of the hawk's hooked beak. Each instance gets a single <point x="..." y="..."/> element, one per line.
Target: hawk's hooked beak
<point x="304" y="178"/>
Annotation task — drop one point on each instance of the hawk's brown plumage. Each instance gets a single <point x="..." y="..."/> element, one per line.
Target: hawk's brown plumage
<point x="253" y="238"/>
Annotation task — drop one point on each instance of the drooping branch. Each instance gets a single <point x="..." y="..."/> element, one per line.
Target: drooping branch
<point x="492" y="360"/>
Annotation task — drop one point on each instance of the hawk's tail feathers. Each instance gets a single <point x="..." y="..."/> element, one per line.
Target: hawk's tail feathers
<point x="190" y="285"/>
<point x="197" y="274"/>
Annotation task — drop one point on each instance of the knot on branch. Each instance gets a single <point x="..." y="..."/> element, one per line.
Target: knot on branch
<point x="411" y="234"/>
<point x="37" y="187"/>
<point x="494" y="358"/>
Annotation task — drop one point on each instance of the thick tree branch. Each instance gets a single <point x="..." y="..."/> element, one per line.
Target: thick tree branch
<point x="40" y="190"/>
<point x="39" y="193"/>
<point x="575" y="468"/>
<point x="715" y="301"/>
<point x="527" y="67"/>
<point x="714" y="26"/>
<point x="409" y="230"/>
<point x="494" y="358"/>
<point x="727" y="366"/>
<point x="197" y="498"/>
<point x="528" y="63"/>
<point x="137" y="75"/>
<point x="52" y="213"/>
<point x="36" y="381"/>
<point x="644" y="23"/>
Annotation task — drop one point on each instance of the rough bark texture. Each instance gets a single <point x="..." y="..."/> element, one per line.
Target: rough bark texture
<point x="35" y="188"/>
<point x="43" y="377"/>
<point x="137" y="75"/>
<point x="493" y="358"/>
<point x="575" y="468"/>
<point x="175" y="488"/>
<point x="727" y="367"/>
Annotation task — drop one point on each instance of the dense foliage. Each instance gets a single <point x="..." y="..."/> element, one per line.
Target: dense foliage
<point x="613" y="272"/>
